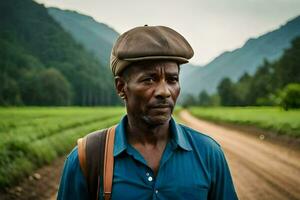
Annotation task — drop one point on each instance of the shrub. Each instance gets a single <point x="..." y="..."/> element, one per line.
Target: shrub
<point x="290" y="96"/>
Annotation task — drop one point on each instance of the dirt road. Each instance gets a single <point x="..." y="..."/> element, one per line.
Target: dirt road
<point x="260" y="170"/>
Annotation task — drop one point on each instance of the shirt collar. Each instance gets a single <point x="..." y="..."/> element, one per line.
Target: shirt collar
<point x="120" y="143"/>
<point x="178" y="137"/>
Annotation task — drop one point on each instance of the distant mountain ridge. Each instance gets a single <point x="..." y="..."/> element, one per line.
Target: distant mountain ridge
<point x="96" y="37"/>
<point x="245" y="59"/>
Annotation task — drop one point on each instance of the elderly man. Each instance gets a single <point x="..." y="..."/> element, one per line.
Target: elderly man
<point x="154" y="157"/>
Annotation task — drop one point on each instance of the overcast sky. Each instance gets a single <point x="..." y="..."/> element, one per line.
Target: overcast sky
<point x="210" y="26"/>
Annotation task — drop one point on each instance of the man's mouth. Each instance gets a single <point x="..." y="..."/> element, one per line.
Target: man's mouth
<point x="161" y="106"/>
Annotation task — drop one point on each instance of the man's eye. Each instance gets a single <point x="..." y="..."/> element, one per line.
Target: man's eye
<point x="173" y="79"/>
<point x="148" y="80"/>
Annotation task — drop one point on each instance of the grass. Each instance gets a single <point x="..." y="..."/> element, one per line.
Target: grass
<point x="268" y="118"/>
<point x="33" y="136"/>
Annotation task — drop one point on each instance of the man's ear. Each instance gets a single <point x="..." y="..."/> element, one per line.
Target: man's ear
<point x="120" y="85"/>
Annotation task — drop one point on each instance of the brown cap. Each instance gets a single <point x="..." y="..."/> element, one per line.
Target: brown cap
<point x="149" y="43"/>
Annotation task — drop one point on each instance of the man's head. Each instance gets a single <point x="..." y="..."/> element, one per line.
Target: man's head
<point x="145" y="62"/>
<point x="150" y="90"/>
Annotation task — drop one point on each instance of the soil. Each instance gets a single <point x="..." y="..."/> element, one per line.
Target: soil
<point x="261" y="168"/>
<point x="41" y="185"/>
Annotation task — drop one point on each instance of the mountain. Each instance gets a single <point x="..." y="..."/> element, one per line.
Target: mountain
<point x="234" y="64"/>
<point x="97" y="37"/>
<point x="41" y="63"/>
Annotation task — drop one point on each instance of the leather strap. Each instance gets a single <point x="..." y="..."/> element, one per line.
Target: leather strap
<point x="108" y="163"/>
<point x="95" y="154"/>
<point x="81" y="142"/>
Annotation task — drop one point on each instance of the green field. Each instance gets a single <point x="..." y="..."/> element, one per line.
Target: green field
<point x="268" y="118"/>
<point x="32" y="137"/>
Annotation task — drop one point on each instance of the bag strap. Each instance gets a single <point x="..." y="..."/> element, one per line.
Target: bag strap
<point x="95" y="154"/>
<point x="108" y="163"/>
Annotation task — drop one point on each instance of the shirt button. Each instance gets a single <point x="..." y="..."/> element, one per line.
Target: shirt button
<point x="150" y="178"/>
<point x="147" y="174"/>
<point x="156" y="191"/>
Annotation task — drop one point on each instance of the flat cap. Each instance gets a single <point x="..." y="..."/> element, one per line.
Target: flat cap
<point x="149" y="43"/>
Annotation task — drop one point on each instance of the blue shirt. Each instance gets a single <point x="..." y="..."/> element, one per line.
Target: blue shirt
<point x="192" y="166"/>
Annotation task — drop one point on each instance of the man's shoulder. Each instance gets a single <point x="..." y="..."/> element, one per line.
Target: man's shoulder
<point x="72" y="159"/>
<point x="199" y="138"/>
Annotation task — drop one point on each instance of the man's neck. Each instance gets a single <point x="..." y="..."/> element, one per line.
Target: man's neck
<point x="144" y="134"/>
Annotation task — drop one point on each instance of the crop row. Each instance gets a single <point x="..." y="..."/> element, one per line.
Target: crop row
<point x="31" y="143"/>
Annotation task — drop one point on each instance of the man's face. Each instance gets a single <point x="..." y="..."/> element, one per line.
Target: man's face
<point x="151" y="90"/>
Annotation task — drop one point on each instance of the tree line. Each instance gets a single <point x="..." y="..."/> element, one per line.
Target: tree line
<point x="41" y="64"/>
<point x="276" y="83"/>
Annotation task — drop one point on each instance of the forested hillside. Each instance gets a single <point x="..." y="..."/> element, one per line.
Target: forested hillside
<point x="273" y="84"/>
<point x="269" y="85"/>
<point x="235" y="63"/>
<point x="41" y="64"/>
<point x="96" y="37"/>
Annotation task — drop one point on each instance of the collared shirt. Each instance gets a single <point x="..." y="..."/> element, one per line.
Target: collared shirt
<point x="192" y="166"/>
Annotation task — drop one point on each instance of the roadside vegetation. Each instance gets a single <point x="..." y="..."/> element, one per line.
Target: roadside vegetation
<point x="273" y="119"/>
<point x="32" y="137"/>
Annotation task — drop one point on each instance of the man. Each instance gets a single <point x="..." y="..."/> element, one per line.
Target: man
<point x="154" y="157"/>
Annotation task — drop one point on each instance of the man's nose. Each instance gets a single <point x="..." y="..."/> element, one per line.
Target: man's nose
<point x="162" y="90"/>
